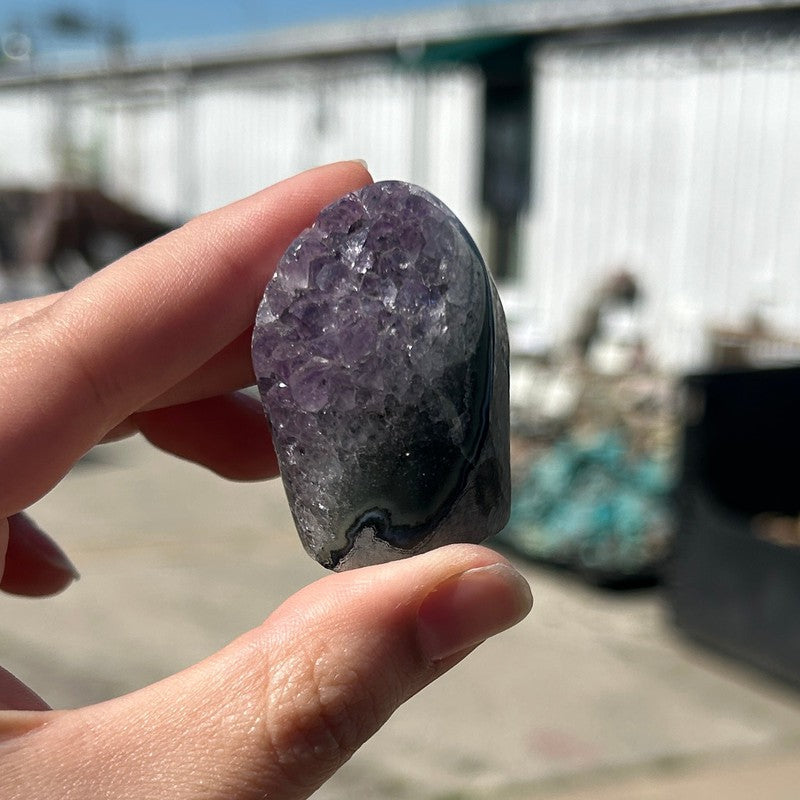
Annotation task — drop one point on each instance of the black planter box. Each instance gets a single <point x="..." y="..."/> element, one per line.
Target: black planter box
<point x="740" y="458"/>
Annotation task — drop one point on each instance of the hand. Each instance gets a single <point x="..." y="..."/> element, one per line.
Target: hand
<point x="159" y="343"/>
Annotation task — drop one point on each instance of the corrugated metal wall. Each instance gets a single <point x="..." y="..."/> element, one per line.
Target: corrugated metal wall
<point x="176" y="147"/>
<point x="679" y="161"/>
<point x="26" y="125"/>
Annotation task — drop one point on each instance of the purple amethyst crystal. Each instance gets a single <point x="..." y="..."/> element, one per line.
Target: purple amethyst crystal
<point x="381" y="354"/>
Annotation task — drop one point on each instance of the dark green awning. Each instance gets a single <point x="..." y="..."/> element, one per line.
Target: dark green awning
<point x="478" y="51"/>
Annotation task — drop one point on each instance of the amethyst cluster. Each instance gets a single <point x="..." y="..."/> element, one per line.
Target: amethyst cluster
<point x="381" y="354"/>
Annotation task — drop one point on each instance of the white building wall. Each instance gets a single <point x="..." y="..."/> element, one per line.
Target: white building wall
<point x="175" y="147"/>
<point x="680" y="162"/>
<point x="455" y="146"/>
<point x="242" y="138"/>
<point x="27" y="118"/>
<point x="141" y="152"/>
<point x="418" y="127"/>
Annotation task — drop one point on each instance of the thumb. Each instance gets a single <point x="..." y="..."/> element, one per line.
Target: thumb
<point x="279" y="710"/>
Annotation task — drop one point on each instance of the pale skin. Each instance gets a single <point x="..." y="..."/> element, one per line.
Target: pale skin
<point x="158" y="343"/>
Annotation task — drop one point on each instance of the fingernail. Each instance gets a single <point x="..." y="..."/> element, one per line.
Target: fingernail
<point x="35" y="564"/>
<point x="470" y="607"/>
<point x="360" y="161"/>
<point x="32" y="542"/>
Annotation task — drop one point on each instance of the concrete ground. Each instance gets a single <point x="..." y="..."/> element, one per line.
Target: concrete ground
<point x="594" y="696"/>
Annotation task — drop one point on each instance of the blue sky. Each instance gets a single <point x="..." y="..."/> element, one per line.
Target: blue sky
<point x="151" y="21"/>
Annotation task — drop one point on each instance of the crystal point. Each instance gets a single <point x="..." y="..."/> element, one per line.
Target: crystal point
<point x="381" y="355"/>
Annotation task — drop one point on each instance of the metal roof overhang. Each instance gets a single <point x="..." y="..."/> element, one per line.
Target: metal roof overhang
<point x="461" y="33"/>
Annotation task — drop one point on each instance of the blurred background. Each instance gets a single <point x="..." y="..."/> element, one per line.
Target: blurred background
<point x="631" y="171"/>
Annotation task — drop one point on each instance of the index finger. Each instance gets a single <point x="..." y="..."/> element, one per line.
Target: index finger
<point x="77" y="367"/>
